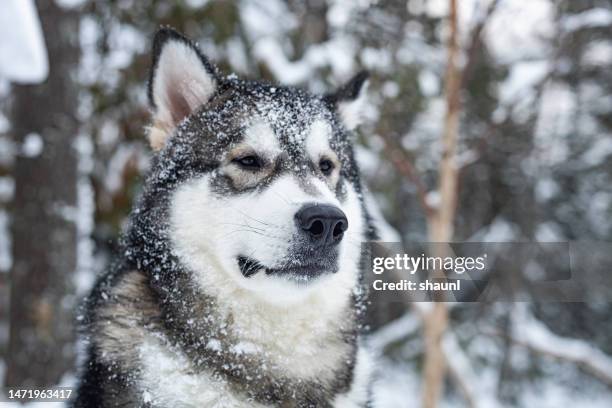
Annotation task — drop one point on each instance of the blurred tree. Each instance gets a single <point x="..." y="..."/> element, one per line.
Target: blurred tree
<point x="44" y="124"/>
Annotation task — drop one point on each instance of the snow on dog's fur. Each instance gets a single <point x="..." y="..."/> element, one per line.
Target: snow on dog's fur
<point x="239" y="280"/>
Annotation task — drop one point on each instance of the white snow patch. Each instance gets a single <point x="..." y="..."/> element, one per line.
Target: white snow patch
<point x="7" y="189"/>
<point x="599" y="152"/>
<point x="598" y="53"/>
<point x="6" y="259"/>
<point x="197" y="3"/>
<point x="70" y="3"/>
<point x="433" y="198"/>
<point x="595" y="17"/>
<point x="522" y="78"/>
<point x="269" y="18"/>
<point x="376" y="59"/>
<point x="337" y="53"/>
<point x="548" y="232"/>
<point x="84" y="216"/>
<point x="33" y="145"/>
<point x="390" y="89"/>
<point x="23" y="56"/>
<point x="429" y="83"/>
<point x="369" y="161"/>
<point x="393" y="331"/>
<point x="437" y="8"/>
<point x="519" y="29"/>
<point x="555" y="124"/>
<point x="500" y="230"/>
<point x="398" y="386"/>
<point x="545" y="189"/>
<point x="386" y="232"/>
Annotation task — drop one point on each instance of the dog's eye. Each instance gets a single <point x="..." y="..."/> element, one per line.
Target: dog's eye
<point x="326" y="166"/>
<point x="251" y="162"/>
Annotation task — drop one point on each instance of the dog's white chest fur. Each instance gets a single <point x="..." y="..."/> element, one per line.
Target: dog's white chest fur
<point x="168" y="379"/>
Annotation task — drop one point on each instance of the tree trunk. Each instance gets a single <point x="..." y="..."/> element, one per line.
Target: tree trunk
<point x="441" y="221"/>
<point x="41" y="338"/>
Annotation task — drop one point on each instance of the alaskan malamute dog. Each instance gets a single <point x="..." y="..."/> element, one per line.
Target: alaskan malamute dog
<point x="238" y="284"/>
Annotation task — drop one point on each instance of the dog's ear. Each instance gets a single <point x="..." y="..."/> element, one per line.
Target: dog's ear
<point x="181" y="80"/>
<point x="349" y="100"/>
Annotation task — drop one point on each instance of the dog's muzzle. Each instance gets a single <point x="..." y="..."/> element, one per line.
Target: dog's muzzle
<point x="320" y="228"/>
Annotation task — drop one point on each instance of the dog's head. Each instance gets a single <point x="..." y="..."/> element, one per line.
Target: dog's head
<point x="267" y="195"/>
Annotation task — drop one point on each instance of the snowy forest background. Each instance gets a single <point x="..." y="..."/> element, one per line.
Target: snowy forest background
<point x="524" y="87"/>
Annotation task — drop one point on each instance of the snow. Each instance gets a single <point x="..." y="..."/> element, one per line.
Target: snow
<point x="113" y="181"/>
<point x="385" y="231"/>
<point x="368" y="160"/>
<point x="70" y="3"/>
<point x="546" y="188"/>
<point x="397" y="386"/>
<point x="23" y="57"/>
<point x="33" y="145"/>
<point x="340" y="11"/>
<point x="535" y="335"/>
<point x="479" y="389"/>
<point x="436" y="8"/>
<point x="5" y="243"/>
<point x="429" y="83"/>
<point x="555" y="123"/>
<point x="5" y="125"/>
<point x="376" y="59"/>
<point x="196" y="4"/>
<point x="7" y="189"/>
<point x="549" y="232"/>
<point x="553" y="395"/>
<point x="517" y="32"/>
<point x="390" y="89"/>
<point x="433" y="198"/>
<point x="394" y="331"/>
<point x="500" y="230"/>
<point x="522" y="78"/>
<point x="336" y="53"/>
<point x="268" y="25"/>
<point x="237" y="55"/>
<point x="598" y="152"/>
<point x="598" y="53"/>
<point x="266" y="19"/>
<point x="271" y="52"/>
<point x="592" y="18"/>
<point x="84" y="217"/>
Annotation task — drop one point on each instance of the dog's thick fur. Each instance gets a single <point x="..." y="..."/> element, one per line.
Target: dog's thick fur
<point x="218" y="299"/>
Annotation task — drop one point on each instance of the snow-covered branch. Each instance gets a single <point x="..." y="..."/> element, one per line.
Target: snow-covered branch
<point x="529" y="332"/>
<point x="394" y="331"/>
<point x="474" y="390"/>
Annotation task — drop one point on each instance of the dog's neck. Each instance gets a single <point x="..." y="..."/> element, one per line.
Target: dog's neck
<point x="198" y="329"/>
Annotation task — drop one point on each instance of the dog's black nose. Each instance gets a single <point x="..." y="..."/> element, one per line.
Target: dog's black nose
<point x="324" y="223"/>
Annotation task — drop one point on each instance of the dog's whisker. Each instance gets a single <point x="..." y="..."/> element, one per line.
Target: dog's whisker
<point x="241" y="225"/>
<point x="253" y="218"/>
<point x="278" y="238"/>
<point x="283" y="198"/>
